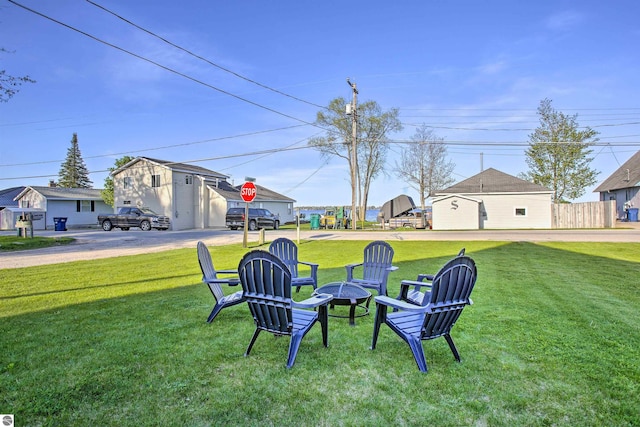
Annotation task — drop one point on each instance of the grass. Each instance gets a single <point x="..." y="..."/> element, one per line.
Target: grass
<point x="552" y="339"/>
<point x="15" y="243"/>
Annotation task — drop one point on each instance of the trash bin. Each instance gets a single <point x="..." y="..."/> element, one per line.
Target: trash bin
<point x="632" y="214"/>
<point x="60" y="224"/>
<point x="314" y="220"/>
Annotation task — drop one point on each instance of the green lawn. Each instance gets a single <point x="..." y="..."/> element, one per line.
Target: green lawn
<point x="16" y="243"/>
<point x="553" y="338"/>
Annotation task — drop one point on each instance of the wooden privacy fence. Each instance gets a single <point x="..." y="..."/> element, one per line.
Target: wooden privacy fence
<point x="584" y="215"/>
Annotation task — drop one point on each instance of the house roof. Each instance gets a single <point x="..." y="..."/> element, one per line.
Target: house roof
<point x="8" y="195"/>
<point x="175" y="166"/>
<point x="493" y="181"/>
<point x="230" y="192"/>
<point x="626" y="176"/>
<point x="62" y="193"/>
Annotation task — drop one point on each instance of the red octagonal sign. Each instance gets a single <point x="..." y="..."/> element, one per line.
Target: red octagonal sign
<point x="248" y="192"/>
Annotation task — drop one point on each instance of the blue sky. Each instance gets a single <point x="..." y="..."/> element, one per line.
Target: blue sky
<point x="474" y="70"/>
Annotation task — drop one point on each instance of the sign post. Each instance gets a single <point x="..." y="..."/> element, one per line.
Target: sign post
<point x="248" y="192"/>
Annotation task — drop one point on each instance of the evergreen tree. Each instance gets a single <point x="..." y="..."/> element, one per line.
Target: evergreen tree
<point x="559" y="154"/>
<point x="107" y="192"/>
<point x="73" y="172"/>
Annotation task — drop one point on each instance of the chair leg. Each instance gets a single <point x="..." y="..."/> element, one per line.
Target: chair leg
<point x="418" y="352"/>
<point x="294" y="345"/>
<point x="381" y="314"/>
<point x="214" y="313"/>
<point x="253" y="340"/>
<point x="452" y="346"/>
<point x="323" y="316"/>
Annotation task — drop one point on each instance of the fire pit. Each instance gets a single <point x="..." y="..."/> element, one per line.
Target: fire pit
<point x="345" y="293"/>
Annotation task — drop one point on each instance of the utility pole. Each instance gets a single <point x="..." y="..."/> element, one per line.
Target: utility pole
<point x="354" y="154"/>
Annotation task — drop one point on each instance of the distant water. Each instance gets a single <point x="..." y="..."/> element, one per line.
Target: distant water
<point x="372" y="214"/>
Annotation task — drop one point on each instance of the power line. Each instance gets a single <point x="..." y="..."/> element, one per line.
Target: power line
<point x="164" y="67"/>
<point x="160" y="148"/>
<point x="202" y="58"/>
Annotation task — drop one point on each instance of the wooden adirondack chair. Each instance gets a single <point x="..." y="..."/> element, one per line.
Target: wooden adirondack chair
<point x="376" y="267"/>
<point x="416" y="295"/>
<point x="266" y="285"/>
<point x="210" y="277"/>
<point x="287" y="251"/>
<point x="450" y="292"/>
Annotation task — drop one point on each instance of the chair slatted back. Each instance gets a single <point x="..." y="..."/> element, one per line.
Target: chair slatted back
<point x="266" y="285"/>
<point x="378" y="257"/>
<point x="452" y="287"/>
<point x="287" y="251"/>
<point x="208" y="271"/>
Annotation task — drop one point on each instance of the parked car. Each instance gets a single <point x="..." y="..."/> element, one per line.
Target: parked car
<point x="128" y="217"/>
<point x="258" y="218"/>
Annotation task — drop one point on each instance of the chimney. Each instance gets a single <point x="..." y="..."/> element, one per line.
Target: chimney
<point x="52" y="183"/>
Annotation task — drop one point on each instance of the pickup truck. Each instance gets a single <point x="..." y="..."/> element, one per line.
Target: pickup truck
<point x="258" y="218"/>
<point x="128" y="217"/>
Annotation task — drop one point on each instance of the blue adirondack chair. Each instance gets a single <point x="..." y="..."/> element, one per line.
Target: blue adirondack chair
<point x="416" y="295"/>
<point x="210" y="277"/>
<point x="450" y="292"/>
<point x="287" y="251"/>
<point x="378" y="256"/>
<point x="266" y="285"/>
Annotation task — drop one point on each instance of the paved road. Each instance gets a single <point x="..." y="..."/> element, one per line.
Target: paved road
<point x="94" y="244"/>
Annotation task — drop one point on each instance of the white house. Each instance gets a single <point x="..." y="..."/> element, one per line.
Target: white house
<point x="623" y="186"/>
<point x="192" y="196"/>
<point x="492" y="200"/>
<point x="80" y="207"/>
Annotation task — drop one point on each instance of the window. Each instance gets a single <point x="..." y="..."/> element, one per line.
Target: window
<point x="155" y="180"/>
<point x="521" y="211"/>
<point x="188" y="179"/>
<point x="126" y="202"/>
<point x="127" y="182"/>
<point x="85" y="206"/>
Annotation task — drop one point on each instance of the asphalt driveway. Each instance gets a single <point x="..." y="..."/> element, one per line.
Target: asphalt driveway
<point x="96" y="243"/>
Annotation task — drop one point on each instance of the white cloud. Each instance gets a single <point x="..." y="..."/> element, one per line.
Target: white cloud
<point x="565" y="20"/>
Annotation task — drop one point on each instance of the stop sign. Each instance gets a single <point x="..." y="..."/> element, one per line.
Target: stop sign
<point x="248" y="192"/>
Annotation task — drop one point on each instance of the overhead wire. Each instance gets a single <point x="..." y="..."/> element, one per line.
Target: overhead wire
<point x="164" y="67"/>
<point x="151" y="33"/>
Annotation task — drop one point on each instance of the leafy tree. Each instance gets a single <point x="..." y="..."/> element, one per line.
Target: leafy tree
<point x="559" y="154"/>
<point x="424" y="164"/>
<point x="373" y="125"/>
<point x="9" y="85"/>
<point x="107" y="191"/>
<point x="73" y="172"/>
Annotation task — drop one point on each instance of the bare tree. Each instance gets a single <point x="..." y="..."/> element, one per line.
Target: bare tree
<point x="424" y="164"/>
<point x="9" y="85"/>
<point x="373" y="125"/>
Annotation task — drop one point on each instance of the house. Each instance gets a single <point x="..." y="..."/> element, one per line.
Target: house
<point x="81" y="207"/>
<point x="623" y="186"/>
<point x="8" y="206"/>
<point x="192" y="196"/>
<point x="492" y="200"/>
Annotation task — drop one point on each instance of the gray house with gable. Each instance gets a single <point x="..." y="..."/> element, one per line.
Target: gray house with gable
<point x="623" y="186"/>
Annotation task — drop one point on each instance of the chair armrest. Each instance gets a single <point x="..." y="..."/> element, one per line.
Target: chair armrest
<point x="392" y="268"/>
<point x="406" y="284"/>
<point x="230" y="282"/>
<point x="400" y="305"/>
<point x="423" y="277"/>
<point x="418" y="285"/>
<point x="227" y="271"/>
<point x="310" y="264"/>
<point x="349" y="268"/>
<point x="314" y="301"/>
